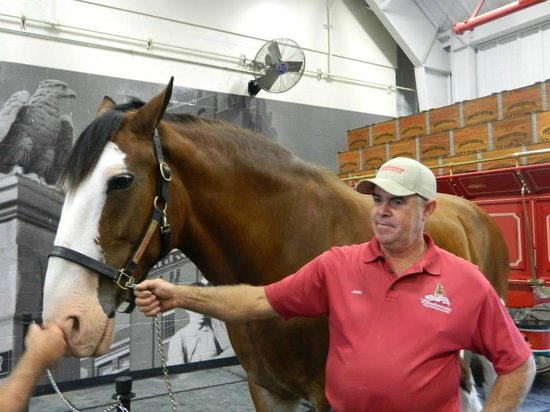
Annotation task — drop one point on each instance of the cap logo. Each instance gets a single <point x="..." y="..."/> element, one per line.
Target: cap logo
<point x="391" y="168"/>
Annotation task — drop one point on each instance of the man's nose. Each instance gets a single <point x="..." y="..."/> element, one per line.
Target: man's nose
<point x="383" y="207"/>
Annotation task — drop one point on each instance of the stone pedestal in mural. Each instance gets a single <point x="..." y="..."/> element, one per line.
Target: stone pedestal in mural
<point x="29" y="215"/>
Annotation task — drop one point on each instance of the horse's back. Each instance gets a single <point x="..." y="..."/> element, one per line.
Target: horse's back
<point x="463" y="228"/>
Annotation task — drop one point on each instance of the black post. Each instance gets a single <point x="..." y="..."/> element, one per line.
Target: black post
<point x="124" y="391"/>
<point x="26" y="320"/>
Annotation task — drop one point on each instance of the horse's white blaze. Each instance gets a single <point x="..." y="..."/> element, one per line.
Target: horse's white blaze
<point x="79" y="224"/>
<point x="70" y="290"/>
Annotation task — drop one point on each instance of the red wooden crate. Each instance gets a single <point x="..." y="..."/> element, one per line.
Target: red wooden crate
<point x="493" y="159"/>
<point x="444" y="118"/>
<point x="532" y="159"/>
<point x="453" y="164"/>
<point x="481" y="110"/>
<point x="405" y="148"/>
<point x="384" y="132"/>
<point x="471" y="139"/>
<point x="348" y="161"/>
<point x="512" y="132"/>
<point x="358" y="138"/>
<point x="373" y="157"/>
<point x="523" y="100"/>
<point x="412" y="126"/>
<point x="434" y="146"/>
<point x="543" y="126"/>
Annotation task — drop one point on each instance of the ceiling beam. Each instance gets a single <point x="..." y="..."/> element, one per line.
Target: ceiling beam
<point x="417" y="35"/>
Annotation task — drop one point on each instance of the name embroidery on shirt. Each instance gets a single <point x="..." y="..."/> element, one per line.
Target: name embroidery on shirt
<point x="356" y="292"/>
<point x="438" y="300"/>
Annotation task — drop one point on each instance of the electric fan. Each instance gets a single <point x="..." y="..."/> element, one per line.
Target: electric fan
<point x="277" y="67"/>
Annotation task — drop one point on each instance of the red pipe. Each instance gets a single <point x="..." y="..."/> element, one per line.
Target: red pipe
<point x="472" y="22"/>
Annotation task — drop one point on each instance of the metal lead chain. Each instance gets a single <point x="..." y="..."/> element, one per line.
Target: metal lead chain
<point x="163" y="363"/>
<point x="118" y="405"/>
<point x="73" y="408"/>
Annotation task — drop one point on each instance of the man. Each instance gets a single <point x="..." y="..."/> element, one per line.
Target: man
<point x="399" y="308"/>
<point x="202" y="338"/>
<point x="44" y="347"/>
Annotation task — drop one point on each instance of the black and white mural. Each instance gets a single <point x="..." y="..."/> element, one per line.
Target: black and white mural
<point x="42" y="112"/>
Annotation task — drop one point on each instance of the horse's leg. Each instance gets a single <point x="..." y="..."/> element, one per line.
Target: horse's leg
<point x="489" y="374"/>
<point x="469" y="397"/>
<point x="266" y="401"/>
<point x="470" y="401"/>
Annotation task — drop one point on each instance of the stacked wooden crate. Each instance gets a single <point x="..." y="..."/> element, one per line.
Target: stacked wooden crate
<point x="473" y="135"/>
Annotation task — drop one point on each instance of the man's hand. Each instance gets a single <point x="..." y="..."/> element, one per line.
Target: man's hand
<point x="154" y="296"/>
<point x="45" y="344"/>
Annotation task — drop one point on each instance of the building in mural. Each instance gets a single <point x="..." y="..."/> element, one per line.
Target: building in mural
<point x="42" y="111"/>
<point x="36" y="134"/>
<point x="186" y="336"/>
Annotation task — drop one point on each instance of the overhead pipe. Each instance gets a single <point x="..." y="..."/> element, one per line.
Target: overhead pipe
<point x="475" y="20"/>
<point x="148" y="54"/>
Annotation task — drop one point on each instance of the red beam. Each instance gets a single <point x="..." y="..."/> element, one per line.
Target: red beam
<point x="472" y="22"/>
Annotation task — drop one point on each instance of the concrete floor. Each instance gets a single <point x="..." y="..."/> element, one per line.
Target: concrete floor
<point x="209" y="390"/>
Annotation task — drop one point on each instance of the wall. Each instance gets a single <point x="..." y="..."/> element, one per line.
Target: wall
<point x="204" y="45"/>
<point x="504" y="54"/>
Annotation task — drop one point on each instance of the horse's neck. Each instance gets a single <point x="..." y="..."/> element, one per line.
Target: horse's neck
<point x="245" y="223"/>
<point x="233" y="231"/>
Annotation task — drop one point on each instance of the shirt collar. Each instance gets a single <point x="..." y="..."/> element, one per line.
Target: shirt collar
<point x="430" y="261"/>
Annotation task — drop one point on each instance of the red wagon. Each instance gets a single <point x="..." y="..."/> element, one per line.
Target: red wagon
<point x="518" y="199"/>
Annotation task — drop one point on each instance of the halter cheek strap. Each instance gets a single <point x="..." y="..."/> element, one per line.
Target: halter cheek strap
<point x="124" y="278"/>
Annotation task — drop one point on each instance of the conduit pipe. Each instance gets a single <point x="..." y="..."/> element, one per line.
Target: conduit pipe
<point x="475" y="20"/>
<point x="149" y="53"/>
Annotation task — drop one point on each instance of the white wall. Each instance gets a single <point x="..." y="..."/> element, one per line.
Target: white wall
<point x="507" y="53"/>
<point x="202" y="44"/>
<point x="503" y="54"/>
<point x="529" y="49"/>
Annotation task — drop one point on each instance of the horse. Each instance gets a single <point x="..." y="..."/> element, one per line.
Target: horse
<point x="242" y="208"/>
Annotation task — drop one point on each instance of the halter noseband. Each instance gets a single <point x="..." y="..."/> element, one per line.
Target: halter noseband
<point x="124" y="278"/>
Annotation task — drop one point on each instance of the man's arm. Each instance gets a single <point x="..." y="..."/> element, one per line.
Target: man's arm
<point x="235" y="303"/>
<point x="510" y="389"/>
<point x="44" y="348"/>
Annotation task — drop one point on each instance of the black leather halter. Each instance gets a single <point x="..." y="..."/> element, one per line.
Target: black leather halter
<point x="124" y="278"/>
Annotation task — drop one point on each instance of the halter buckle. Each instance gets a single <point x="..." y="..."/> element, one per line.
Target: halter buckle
<point x="124" y="280"/>
<point x="157" y="206"/>
<point x="165" y="171"/>
<point x="165" y="226"/>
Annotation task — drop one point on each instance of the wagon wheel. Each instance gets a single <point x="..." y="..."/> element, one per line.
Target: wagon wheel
<point x="543" y="364"/>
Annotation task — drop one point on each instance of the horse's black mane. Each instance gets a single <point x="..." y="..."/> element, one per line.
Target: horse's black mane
<point x="91" y="142"/>
<point x="89" y="146"/>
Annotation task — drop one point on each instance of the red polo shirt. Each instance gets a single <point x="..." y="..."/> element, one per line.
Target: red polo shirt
<point x="395" y="341"/>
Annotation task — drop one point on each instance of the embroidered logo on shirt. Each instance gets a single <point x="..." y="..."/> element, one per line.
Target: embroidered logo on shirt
<point x="356" y="292"/>
<point x="438" y="300"/>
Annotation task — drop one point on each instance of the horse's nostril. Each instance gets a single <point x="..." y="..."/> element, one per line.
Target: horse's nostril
<point x="76" y="325"/>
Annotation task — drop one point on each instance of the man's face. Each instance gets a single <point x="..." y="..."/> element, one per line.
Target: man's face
<point x="397" y="221"/>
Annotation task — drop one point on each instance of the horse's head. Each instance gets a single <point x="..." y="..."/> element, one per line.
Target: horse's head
<point x="110" y="220"/>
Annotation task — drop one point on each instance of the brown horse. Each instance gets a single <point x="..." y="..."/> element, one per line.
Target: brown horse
<point x="243" y="209"/>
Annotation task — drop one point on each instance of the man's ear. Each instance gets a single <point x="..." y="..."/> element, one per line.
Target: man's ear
<point x="429" y="208"/>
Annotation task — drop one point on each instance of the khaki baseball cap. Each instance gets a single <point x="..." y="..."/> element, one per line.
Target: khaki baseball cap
<point x="401" y="176"/>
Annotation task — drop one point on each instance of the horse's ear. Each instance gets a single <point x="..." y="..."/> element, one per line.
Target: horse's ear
<point x="106" y="104"/>
<point x="148" y="117"/>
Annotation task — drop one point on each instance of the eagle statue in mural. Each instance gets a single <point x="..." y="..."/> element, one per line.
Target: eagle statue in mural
<point x="34" y="137"/>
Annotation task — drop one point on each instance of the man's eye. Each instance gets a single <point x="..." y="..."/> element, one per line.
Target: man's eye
<point x="120" y="182"/>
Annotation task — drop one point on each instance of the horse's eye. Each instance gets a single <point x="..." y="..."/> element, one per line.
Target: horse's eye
<point x="122" y="181"/>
